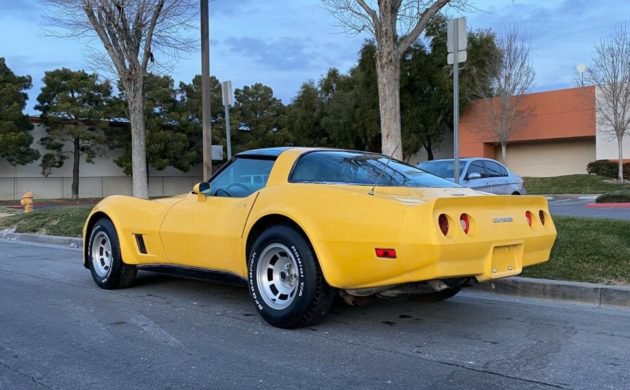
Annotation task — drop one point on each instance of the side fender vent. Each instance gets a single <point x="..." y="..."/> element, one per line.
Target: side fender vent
<point x="141" y="246"/>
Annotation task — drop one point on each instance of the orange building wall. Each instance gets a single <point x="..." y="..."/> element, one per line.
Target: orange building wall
<point x="561" y="114"/>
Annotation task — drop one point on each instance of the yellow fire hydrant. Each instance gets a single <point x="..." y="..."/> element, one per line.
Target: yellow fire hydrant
<point x="27" y="202"/>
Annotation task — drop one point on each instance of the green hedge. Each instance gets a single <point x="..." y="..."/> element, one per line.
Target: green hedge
<point x="621" y="196"/>
<point x="607" y="168"/>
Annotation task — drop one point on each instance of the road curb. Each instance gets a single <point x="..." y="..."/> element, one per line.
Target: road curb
<point x="597" y="294"/>
<point x="609" y="205"/>
<point x="70" y="242"/>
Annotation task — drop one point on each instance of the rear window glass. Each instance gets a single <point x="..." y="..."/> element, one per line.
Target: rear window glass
<point x="359" y="168"/>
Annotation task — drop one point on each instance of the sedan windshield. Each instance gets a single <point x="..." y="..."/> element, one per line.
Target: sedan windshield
<point x="360" y="168"/>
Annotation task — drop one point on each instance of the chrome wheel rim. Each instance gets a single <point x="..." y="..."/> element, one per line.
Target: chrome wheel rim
<point x="102" y="258"/>
<point x="277" y="276"/>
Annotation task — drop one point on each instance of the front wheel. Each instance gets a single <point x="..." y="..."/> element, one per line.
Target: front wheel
<point x="103" y="252"/>
<point x="285" y="280"/>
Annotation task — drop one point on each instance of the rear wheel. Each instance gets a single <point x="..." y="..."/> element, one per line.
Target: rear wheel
<point x="103" y="252"/>
<point x="285" y="280"/>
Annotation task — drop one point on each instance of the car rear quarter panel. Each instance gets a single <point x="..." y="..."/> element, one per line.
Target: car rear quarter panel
<point x="343" y="227"/>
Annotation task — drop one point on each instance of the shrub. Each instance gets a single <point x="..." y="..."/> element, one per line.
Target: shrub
<point x="607" y="168"/>
<point x="621" y="196"/>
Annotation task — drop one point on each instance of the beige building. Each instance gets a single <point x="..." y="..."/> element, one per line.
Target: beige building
<point x="100" y="179"/>
<point x="564" y="134"/>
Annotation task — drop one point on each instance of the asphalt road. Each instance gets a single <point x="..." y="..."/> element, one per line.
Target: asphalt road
<point x="577" y="208"/>
<point x="59" y="331"/>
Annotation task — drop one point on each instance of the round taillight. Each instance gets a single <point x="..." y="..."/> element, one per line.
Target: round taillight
<point x="443" y="221"/>
<point x="541" y="214"/>
<point x="530" y="218"/>
<point x="465" y="222"/>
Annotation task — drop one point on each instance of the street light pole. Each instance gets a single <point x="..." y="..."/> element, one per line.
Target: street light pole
<point x="205" y="93"/>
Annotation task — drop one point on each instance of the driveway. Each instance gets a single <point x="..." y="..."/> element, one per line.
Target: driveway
<point x="577" y="208"/>
<point x="59" y="331"/>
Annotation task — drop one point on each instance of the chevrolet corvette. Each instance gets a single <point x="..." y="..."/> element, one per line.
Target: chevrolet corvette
<point x="299" y="225"/>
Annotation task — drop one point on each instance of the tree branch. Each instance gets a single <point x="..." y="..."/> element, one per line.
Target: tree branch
<point x="421" y="24"/>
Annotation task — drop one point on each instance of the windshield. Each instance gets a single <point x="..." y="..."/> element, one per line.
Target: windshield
<point x="445" y="169"/>
<point x="360" y="168"/>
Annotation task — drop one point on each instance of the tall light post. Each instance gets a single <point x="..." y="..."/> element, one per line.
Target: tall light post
<point x="205" y="93"/>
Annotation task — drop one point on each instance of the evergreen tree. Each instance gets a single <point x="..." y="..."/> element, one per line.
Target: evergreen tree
<point x="170" y="141"/>
<point x="259" y="119"/>
<point x="15" y="139"/>
<point x="73" y="105"/>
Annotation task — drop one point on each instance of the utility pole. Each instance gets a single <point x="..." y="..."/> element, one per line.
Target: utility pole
<point x="205" y="93"/>
<point x="457" y="41"/>
<point x="227" y="102"/>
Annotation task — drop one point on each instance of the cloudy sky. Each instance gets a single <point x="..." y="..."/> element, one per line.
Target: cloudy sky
<point x="283" y="43"/>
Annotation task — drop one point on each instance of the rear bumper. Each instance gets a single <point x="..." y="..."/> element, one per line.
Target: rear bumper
<point x="500" y="243"/>
<point x="480" y="260"/>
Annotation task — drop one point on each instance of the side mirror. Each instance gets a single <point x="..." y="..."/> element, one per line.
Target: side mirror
<point x="199" y="190"/>
<point x="474" y="175"/>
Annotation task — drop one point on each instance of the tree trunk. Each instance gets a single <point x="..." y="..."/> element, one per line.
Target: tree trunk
<point x="135" y="102"/>
<point x="620" y="146"/>
<point x="388" y="69"/>
<point x="504" y="153"/>
<point x="429" y="147"/>
<point x="76" y="160"/>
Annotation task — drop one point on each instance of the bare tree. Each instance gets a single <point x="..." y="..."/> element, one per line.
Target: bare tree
<point x="609" y="72"/>
<point x="131" y="32"/>
<point x="395" y="25"/>
<point x="501" y="110"/>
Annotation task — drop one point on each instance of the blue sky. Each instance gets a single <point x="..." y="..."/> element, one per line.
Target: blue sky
<point x="283" y="43"/>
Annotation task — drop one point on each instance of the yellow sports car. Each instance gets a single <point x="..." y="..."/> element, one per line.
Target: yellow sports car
<point x="299" y="224"/>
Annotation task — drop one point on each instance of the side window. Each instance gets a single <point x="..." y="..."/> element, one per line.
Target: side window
<point x="241" y="178"/>
<point x="477" y="167"/>
<point x="494" y="169"/>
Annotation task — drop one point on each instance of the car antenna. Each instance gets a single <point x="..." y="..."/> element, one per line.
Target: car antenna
<point x="371" y="192"/>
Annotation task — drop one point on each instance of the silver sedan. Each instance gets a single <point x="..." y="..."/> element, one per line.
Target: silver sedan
<point x="482" y="174"/>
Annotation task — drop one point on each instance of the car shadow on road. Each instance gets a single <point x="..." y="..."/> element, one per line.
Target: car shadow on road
<point x="400" y="313"/>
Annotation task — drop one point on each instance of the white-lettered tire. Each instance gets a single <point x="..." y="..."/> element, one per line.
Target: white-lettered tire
<point x="285" y="280"/>
<point x="104" y="259"/>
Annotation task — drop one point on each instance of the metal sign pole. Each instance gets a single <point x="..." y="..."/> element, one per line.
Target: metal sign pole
<point x="456" y="104"/>
<point x="226" y="95"/>
<point x="457" y="42"/>
<point x="228" y="141"/>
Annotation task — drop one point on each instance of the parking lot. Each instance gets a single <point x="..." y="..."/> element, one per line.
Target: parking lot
<point x="59" y="331"/>
<point x="575" y="207"/>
